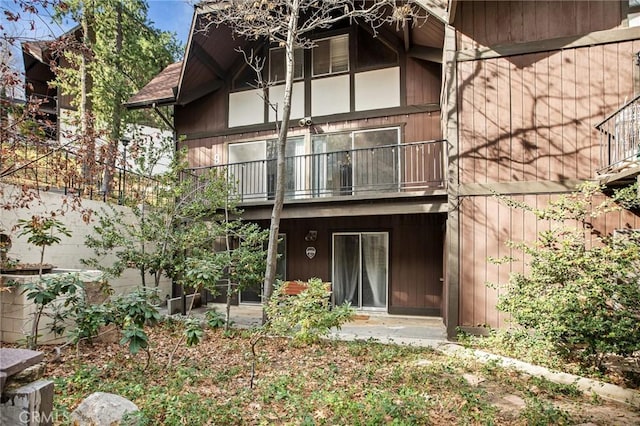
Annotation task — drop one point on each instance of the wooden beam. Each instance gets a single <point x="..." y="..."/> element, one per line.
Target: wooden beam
<point x="453" y="7"/>
<point x="432" y="54"/>
<point x="519" y="188"/>
<point x="450" y="126"/>
<point x="559" y="43"/>
<point x="358" y="115"/>
<point x="346" y="207"/>
<point x="619" y="178"/>
<point x="207" y="60"/>
<point x="407" y="35"/>
<point x="163" y="117"/>
<point x="434" y="8"/>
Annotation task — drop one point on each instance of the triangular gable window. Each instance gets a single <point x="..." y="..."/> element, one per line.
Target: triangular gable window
<point x="372" y="52"/>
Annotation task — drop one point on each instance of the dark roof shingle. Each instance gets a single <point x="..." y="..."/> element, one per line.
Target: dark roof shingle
<point x="160" y="90"/>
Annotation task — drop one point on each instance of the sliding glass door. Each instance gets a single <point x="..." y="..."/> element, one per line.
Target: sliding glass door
<point x="361" y="269"/>
<point x="376" y="168"/>
<point x="356" y="162"/>
<point x="295" y="179"/>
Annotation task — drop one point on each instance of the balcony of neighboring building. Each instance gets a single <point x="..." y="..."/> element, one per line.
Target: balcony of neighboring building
<point x="620" y="145"/>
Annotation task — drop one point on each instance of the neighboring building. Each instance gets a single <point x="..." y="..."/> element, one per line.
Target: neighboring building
<point x="393" y="157"/>
<point x="57" y="108"/>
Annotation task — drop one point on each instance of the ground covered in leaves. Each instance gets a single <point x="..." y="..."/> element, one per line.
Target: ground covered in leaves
<point x="331" y="383"/>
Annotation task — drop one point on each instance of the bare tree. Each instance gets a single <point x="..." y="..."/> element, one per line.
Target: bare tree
<point x="289" y="24"/>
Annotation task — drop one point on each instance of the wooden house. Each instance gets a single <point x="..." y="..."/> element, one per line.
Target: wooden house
<point x="55" y="106"/>
<point x="399" y="141"/>
<point x="527" y="82"/>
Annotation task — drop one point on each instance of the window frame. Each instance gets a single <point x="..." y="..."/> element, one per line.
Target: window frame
<point x="302" y="66"/>
<point x="331" y="72"/>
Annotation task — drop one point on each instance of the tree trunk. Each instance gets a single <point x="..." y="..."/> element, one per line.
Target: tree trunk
<point x="272" y="250"/>
<point x="86" y="103"/>
<point x="116" y="116"/>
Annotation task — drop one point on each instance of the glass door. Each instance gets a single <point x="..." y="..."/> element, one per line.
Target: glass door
<point x="376" y="169"/>
<point x="356" y="162"/>
<point x="248" y="169"/>
<point x="295" y="180"/>
<point x="361" y="269"/>
<point x="331" y="164"/>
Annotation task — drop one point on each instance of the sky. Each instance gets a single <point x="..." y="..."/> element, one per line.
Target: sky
<point x="172" y="15"/>
<point x="168" y="15"/>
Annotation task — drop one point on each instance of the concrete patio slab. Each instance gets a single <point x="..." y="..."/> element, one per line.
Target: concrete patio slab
<point x="376" y="326"/>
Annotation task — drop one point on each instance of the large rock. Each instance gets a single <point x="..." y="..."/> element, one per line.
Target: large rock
<point x="102" y="409"/>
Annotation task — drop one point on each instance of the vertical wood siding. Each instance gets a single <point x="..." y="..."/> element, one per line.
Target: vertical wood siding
<point x="207" y="114"/>
<point x="486" y="227"/>
<point x="416" y="128"/>
<point x="503" y="22"/>
<point x="529" y="117"/>
<point x="532" y="117"/>
<point x="422" y="82"/>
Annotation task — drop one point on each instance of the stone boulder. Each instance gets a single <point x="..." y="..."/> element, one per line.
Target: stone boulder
<point x="103" y="409"/>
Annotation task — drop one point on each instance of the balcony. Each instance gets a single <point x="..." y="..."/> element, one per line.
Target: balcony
<point x="619" y="144"/>
<point x="410" y="168"/>
<point x="47" y="104"/>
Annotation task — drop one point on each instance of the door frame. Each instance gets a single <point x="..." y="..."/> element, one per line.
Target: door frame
<point x="387" y="265"/>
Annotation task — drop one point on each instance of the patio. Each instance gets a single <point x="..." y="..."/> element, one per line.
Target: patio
<point x="380" y="327"/>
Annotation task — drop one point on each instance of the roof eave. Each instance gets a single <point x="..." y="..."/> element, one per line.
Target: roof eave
<point x="150" y="103"/>
<point x="187" y="51"/>
<point x="438" y="13"/>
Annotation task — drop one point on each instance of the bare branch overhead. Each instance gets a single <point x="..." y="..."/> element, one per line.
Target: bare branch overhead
<point x="268" y="18"/>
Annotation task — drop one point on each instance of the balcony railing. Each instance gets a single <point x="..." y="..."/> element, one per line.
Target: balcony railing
<point x="620" y="138"/>
<point x="409" y="167"/>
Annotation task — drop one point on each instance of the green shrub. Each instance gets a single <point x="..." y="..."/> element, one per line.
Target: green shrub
<point x="582" y="289"/>
<point x="214" y="319"/>
<point x="307" y="316"/>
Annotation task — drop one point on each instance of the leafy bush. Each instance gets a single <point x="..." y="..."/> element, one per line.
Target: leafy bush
<point x="135" y="307"/>
<point x="89" y="319"/>
<point x="582" y="289"/>
<point x="130" y="313"/>
<point x="214" y="319"/>
<point x="193" y="331"/>
<point x="46" y="292"/>
<point x="307" y="316"/>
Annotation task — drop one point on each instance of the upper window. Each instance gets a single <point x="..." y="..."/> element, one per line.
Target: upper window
<point x="278" y="64"/>
<point x="331" y="55"/>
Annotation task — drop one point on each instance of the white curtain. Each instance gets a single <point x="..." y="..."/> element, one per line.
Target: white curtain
<point x="374" y="256"/>
<point x="346" y="263"/>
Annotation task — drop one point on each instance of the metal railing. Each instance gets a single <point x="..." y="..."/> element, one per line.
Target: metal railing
<point x="620" y="138"/>
<point x="47" y="167"/>
<point x="408" y="167"/>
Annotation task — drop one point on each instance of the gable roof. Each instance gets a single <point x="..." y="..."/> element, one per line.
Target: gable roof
<point x="211" y="55"/>
<point x="161" y="90"/>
